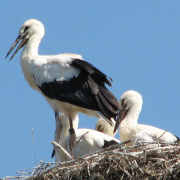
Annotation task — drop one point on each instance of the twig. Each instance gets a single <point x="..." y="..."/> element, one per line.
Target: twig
<point x="162" y="134"/>
<point x="32" y="133"/>
<point x="144" y="157"/>
<point x="59" y="147"/>
<point x="81" y="138"/>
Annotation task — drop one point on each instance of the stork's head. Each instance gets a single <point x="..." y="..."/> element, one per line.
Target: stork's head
<point x="130" y="104"/>
<point x="104" y="127"/>
<point x="30" y="28"/>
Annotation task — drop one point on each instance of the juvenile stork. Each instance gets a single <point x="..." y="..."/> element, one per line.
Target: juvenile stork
<point x="68" y="83"/>
<point x="87" y="140"/>
<point x="130" y="106"/>
<point x="104" y="127"/>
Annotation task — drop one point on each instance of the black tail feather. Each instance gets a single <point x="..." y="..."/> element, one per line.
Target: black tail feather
<point x="109" y="143"/>
<point x="178" y="139"/>
<point x="53" y="153"/>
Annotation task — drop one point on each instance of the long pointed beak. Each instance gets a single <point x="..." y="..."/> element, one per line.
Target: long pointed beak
<point x="23" y="42"/>
<point x="121" y="117"/>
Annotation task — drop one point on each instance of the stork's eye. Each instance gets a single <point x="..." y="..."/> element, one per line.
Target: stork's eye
<point x="99" y="128"/>
<point x="122" y="102"/>
<point x="26" y="28"/>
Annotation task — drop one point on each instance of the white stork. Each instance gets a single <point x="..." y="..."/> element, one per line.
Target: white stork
<point x="130" y="106"/>
<point x="68" y="83"/>
<point x="104" y="127"/>
<point x="87" y="140"/>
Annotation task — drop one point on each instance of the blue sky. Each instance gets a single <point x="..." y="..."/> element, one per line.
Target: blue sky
<point x="137" y="43"/>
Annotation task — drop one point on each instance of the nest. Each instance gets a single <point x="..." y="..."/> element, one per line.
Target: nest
<point x="161" y="161"/>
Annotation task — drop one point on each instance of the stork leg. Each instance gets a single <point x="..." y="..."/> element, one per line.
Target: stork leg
<point x="72" y="137"/>
<point x="57" y="136"/>
<point x="58" y="128"/>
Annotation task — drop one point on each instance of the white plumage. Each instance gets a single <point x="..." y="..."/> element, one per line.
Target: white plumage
<point x="87" y="140"/>
<point x="104" y="127"/>
<point x="131" y="105"/>
<point x="68" y="83"/>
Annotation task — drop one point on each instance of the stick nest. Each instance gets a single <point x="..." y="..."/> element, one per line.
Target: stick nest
<point x="116" y="162"/>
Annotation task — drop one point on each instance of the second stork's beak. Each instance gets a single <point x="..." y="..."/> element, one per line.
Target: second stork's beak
<point x="23" y="42"/>
<point x="121" y="117"/>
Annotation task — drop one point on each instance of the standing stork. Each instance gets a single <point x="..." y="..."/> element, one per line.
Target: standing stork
<point x="68" y="83"/>
<point x="130" y="106"/>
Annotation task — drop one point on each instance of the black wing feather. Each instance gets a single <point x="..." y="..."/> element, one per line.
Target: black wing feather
<point x="96" y="73"/>
<point x="75" y="91"/>
<point x="109" y="143"/>
<point x="87" y="90"/>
